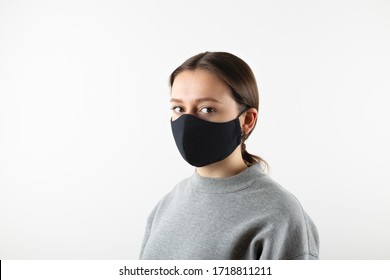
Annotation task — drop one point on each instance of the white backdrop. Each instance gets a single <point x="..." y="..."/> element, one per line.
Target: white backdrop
<point x="86" y="148"/>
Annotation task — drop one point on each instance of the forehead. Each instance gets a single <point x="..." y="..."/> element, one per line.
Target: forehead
<point x="193" y="84"/>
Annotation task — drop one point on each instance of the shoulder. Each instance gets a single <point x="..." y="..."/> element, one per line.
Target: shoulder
<point x="291" y="221"/>
<point x="179" y="189"/>
<point x="273" y="195"/>
<point x="175" y="193"/>
<point x="279" y="205"/>
<point x="292" y="234"/>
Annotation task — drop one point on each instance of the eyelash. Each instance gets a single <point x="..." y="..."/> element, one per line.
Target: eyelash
<point x="213" y="110"/>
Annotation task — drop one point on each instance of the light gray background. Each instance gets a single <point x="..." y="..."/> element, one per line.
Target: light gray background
<point x="86" y="148"/>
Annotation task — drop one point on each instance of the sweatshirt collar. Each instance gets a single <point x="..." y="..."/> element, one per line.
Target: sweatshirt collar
<point x="228" y="184"/>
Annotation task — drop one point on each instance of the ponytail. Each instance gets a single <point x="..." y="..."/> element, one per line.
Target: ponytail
<point x="250" y="159"/>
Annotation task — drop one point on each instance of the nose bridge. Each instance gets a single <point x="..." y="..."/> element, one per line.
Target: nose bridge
<point x="192" y="110"/>
<point x="191" y="107"/>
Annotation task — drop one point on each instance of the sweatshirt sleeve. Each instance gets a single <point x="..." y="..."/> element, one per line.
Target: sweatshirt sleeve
<point x="148" y="229"/>
<point x="292" y="235"/>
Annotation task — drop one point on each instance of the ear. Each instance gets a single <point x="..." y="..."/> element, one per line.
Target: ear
<point x="248" y="120"/>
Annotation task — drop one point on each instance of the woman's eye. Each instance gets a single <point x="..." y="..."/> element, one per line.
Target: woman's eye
<point x="207" y="110"/>
<point x="177" y="109"/>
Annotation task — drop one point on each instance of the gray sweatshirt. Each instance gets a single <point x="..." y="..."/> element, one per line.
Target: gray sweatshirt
<point x="248" y="216"/>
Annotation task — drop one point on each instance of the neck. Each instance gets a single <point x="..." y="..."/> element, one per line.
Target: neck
<point x="230" y="166"/>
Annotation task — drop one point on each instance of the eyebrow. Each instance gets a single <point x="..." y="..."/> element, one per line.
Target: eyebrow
<point x="198" y="100"/>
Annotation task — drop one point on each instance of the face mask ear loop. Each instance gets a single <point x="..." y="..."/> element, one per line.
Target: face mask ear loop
<point x="245" y="108"/>
<point x="243" y="135"/>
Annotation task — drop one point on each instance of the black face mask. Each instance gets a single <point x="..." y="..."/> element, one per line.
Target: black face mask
<point x="202" y="142"/>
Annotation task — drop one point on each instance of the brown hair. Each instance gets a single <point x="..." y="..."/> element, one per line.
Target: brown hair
<point x="238" y="76"/>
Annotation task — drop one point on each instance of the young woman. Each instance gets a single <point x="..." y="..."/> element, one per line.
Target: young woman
<point x="229" y="208"/>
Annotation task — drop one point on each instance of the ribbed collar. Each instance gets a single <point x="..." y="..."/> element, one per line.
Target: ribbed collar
<point x="227" y="184"/>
